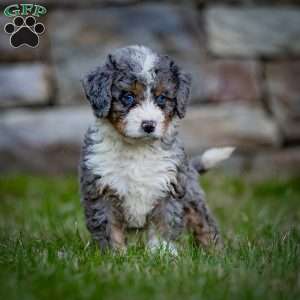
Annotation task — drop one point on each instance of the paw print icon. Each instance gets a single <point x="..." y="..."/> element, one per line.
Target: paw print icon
<point x="24" y="31"/>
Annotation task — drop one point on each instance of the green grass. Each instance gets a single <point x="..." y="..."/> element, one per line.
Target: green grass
<point x="45" y="254"/>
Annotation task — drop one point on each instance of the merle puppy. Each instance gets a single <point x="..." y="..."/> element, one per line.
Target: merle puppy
<point x="134" y="172"/>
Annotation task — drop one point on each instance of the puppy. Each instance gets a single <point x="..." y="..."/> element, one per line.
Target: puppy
<point x="134" y="172"/>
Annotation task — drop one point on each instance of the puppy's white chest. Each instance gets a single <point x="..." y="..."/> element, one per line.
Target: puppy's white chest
<point x="144" y="181"/>
<point x="141" y="176"/>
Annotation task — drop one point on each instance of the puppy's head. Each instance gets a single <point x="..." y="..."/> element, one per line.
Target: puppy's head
<point x="138" y="91"/>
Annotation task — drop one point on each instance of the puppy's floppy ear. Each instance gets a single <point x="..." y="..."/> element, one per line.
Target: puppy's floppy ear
<point x="97" y="86"/>
<point x="183" y="91"/>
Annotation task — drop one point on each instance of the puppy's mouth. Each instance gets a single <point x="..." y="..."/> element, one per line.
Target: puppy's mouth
<point x="144" y="131"/>
<point x="148" y="138"/>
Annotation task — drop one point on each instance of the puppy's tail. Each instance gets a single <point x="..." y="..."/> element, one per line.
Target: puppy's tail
<point x="211" y="158"/>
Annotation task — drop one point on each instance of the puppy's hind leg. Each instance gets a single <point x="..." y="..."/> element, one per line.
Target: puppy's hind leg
<point x="197" y="216"/>
<point x="200" y="222"/>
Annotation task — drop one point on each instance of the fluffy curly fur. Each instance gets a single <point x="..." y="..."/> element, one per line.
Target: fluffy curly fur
<point x="134" y="176"/>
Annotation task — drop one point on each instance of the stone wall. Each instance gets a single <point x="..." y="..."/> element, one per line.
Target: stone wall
<point x="244" y="57"/>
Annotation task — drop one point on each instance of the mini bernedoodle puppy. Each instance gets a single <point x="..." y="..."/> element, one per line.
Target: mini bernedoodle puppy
<point x="134" y="172"/>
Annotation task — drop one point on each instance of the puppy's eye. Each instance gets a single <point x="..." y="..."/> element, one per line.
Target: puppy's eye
<point x="128" y="99"/>
<point x="161" y="100"/>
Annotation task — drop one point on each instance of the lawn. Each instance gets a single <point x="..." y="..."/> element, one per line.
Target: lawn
<point x="45" y="251"/>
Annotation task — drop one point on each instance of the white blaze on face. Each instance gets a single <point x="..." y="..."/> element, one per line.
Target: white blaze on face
<point x="147" y="66"/>
<point x="147" y="111"/>
<point x="146" y="59"/>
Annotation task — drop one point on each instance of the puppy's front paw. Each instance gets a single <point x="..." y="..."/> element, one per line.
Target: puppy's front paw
<point x="156" y="245"/>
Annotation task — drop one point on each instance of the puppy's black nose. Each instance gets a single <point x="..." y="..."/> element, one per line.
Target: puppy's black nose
<point x="148" y="126"/>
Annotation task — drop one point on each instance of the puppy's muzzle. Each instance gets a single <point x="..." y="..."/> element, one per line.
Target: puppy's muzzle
<point x="148" y="126"/>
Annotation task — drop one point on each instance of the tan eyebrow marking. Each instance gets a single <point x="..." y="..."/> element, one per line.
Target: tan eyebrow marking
<point x="137" y="88"/>
<point x="159" y="90"/>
